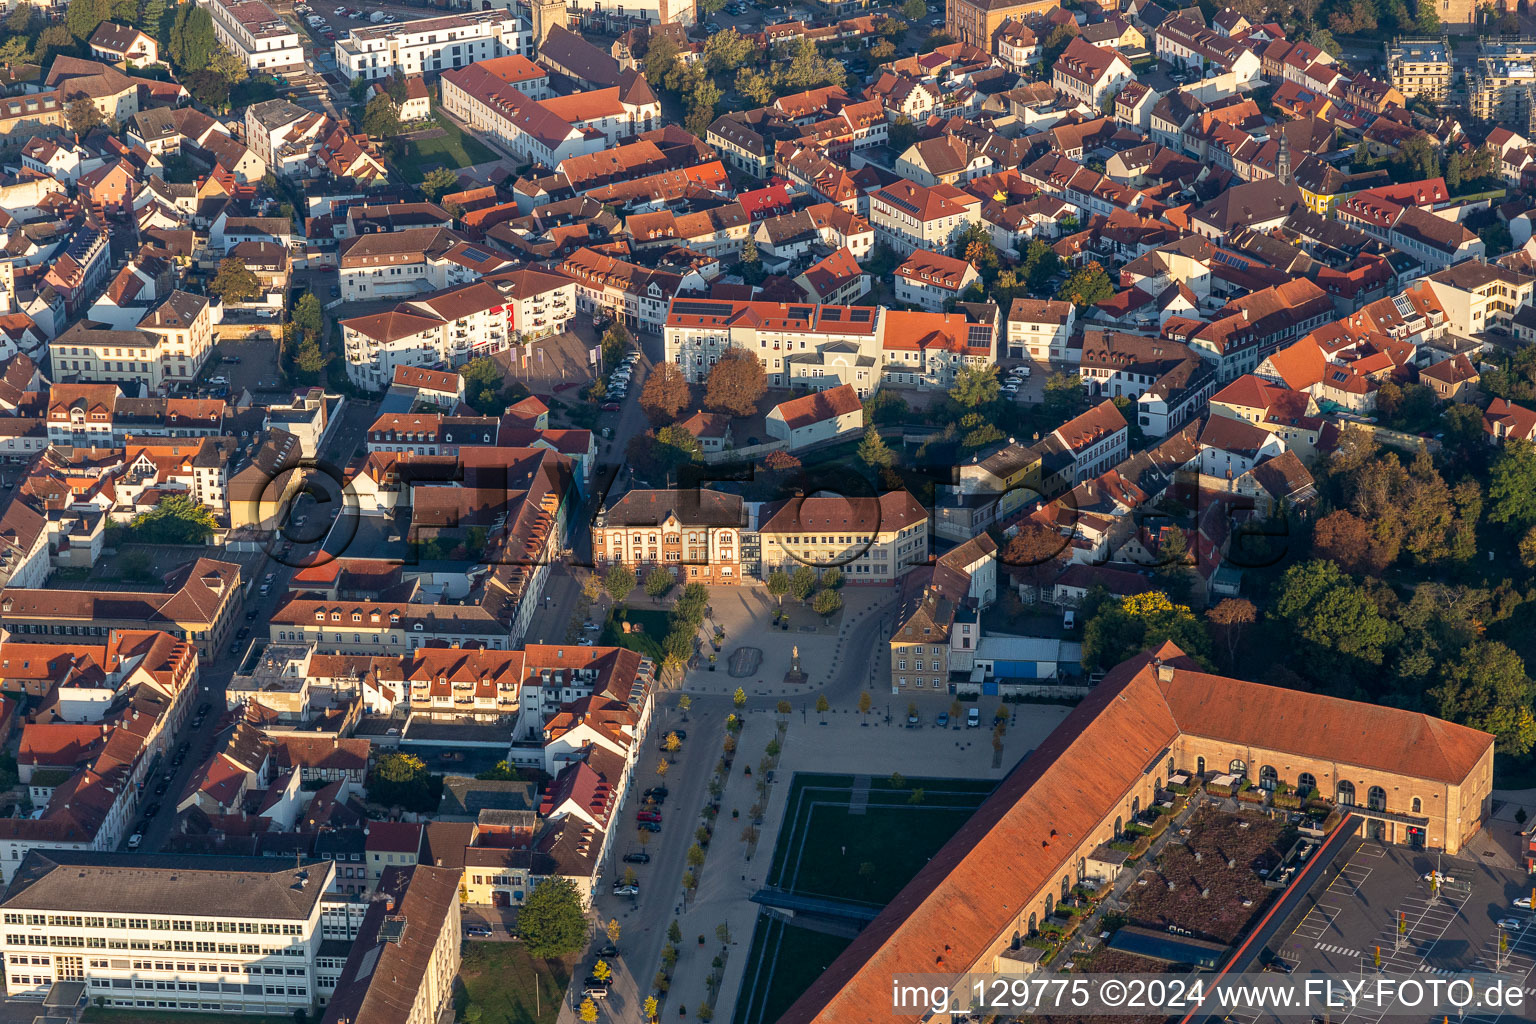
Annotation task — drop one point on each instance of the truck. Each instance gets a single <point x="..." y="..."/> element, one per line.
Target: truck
<point x="376" y="17"/>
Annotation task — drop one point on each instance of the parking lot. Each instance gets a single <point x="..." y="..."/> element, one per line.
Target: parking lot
<point x="1382" y="907"/>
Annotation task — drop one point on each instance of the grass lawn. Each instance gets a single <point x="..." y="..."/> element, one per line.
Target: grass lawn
<point x="654" y="624"/>
<point x="781" y="964"/>
<point x="452" y="149"/>
<point x="499" y="977"/>
<point x="108" y="1015"/>
<point x="825" y="850"/>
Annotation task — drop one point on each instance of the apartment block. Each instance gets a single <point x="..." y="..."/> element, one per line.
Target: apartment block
<point x="699" y="536"/>
<point x="229" y="935"/>
<point x="871" y="540"/>
<point x="1421" y="67"/>
<point x="800" y="345"/>
<point x="426" y="46"/>
<point x="255" y="33"/>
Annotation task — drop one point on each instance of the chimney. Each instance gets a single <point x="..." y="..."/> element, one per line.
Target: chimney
<point x="1164" y="671"/>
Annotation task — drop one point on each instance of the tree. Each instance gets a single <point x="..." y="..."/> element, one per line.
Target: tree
<point x="192" y="39"/>
<point x="234" y="282"/>
<point x="551" y="919"/>
<point x="801" y="582"/>
<point x="308" y="315"/>
<point x="1527" y="549"/>
<point x="614" y="930"/>
<point x="702" y="102"/>
<point x="503" y="772"/>
<point x="975" y="386"/>
<point x="1087" y="286"/>
<point x="674" y="932"/>
<point x="439" y="182"/>
<point x="672" y="743"/>
<point x="483" y="386"/>
<point x="736" y="383"/>
<point x="601" y="971"/>
<point x="658" y="581"/>
<point x="873" y="451"/>
<point x="1344" y="538"/>
<point x="1330" y="611"/>
<point x="619" y="581"/>
<point x="615" y="344"/>
<point x="661" y="773"/>
<point x="1121" y="628"/>
<point x="726" y="50"/>
<point x="661" y="61"/>
<point x="883" y="50"/>
<point x="695" y="857"/>
<point x="380" y="118"/>
<point x="915" y="11"/>
<point x="20" y="21"/>
<point x="472" y="1014"/>
<point x="309" y="359"/>
<point x="665" y="394"/>
<point x="778" y="584"/>
<point x="226" y="64"/>
<point x="84" y="16"/>
<point x="739" y="698"/>
<point x="684" y="702"/>
<point x="674" y="447"/>
<point x="758" y="88"/>
<point x="865" y="703"/>
<point x="587" y="1011"/>
<point x="82" y="115"/>
<point x="1512" y="486"/>
<point x="1230" y="617"/>
<point x="650" y="1008"/>
<point x="827" y="603"/>
<point x="403" y="780"/>
<point x="177" y="519"/>
<point x="821" y="704"/>
<point x="1486" y="687"/>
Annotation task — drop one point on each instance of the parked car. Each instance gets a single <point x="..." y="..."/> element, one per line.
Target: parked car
<point x="943" y="720"/>
<point x="659" y="792"/>
<point x="1069" y="619"/>
<point x="595" y="992"/>
<point x="152" y="810"/>
<point x="135" y="840"/>
<point x="610" y="407"/>
<point x="478" y="930"/>
<point x="647" y="815"/>
<point x="609" y="950"/>
<point x="626" y="890"/>
<point x="1510" y="924"/>
<point x="204" y="708"/>
<point x="1524" y="903"/>
<point x="973" y="718"/>
<point x="637" y="858"/>
<point x="161" y="787"/>
<point x="650" y="826"/>
<point x="912" y="721"/>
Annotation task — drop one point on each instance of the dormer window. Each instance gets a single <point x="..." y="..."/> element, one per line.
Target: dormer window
<point x="416" y="626"/>
<point x="335" y="616"/>
<point x="357" y="616"/>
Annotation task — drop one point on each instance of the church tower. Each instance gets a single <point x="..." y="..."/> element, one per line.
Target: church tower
<point x="546" y="15"/>
<point x="1283" y="158"/>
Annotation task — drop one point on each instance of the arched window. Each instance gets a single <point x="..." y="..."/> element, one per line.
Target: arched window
<point x="1135" y="806"/>
<point x="1268" y="777"/>
<point x="1170" y="766"/>
<point x="1066" y="887"/>
<point x="1417" y="805"/>
<point x="1347" y="793"/>
<point x="1082" y="868"/>
<point x="1159" y="783"/>
<point x="1237" y="766"/>
<point x="1016" y="940"/>
<point x="1050" y="904"/>
<point x="1306" y="782"/>
<point x="1033" y="924"/>
<point x="1199" y="766"/>
<point x="1376" y="798"/>
<point x="1119" y="824"/>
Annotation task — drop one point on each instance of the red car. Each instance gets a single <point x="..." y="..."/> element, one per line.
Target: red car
<point x="568" y="385"/>
<point x="610" y="407"/>
<point x="647" y="815"/>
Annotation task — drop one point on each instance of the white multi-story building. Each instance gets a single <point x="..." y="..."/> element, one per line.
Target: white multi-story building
<point x="255" y="33"/>
<point x="229" y="935"/>
<point x="168" y="346"/>
<point x="429" y="45"/>
<point x="455" y="326"/>
<point x="907" y="216"/>
<point x="800" y="345"/>
<point x="395" y="264"/>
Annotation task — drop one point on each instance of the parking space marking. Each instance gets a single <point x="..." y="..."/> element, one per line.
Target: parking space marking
<point x="1441" y="912"/>
<point x="1316" y="922"/>
<point x="1371" y="850"/>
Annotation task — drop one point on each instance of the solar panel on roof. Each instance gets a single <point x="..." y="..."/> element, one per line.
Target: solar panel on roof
<point x="978" y="335"/>
<point x="699" y="307"/>
<point x="859" y="315"/>
<point x="476" y="254"/>
<point x="830" y="313"/>
<point x="800" y="311"/>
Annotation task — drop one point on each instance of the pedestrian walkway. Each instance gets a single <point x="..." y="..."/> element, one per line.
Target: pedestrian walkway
<point x="858" y="798"/>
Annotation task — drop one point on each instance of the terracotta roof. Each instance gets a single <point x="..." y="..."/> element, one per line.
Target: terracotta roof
<point x="819" y="405"/>
<point x="894" y="510"/>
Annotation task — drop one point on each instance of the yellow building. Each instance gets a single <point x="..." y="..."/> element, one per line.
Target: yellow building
<point x="871" y="540"/>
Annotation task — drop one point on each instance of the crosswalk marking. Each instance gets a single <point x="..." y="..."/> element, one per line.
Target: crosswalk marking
<point x="1327" y="947"/>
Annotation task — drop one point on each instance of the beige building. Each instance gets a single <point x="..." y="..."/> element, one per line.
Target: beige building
<point x="200" y="604"/>
<point x="978" y="21"/>
<point x="696" y="534"/>
<point x="871" y="540"/>
<point x="1501" y="82"/>
<point x="1421" y="67"/>
<point x="1401" y="775"/>
<point x="1477" y="296"/>
<point x="167" y="347"/>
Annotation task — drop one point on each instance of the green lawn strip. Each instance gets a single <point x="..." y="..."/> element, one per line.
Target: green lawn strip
<point x="452" y="149"/>
<point x="803" y="956"/>
<point x="499" y="978"/>
<point x="758" y="978"/>
<point x="655" y="625"/>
